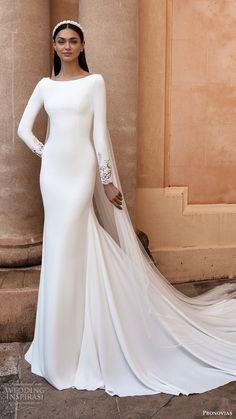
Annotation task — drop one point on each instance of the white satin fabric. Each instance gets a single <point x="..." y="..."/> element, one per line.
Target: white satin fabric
<point x="106" y="317"/>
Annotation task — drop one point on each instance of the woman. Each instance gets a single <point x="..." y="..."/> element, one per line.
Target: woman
<point x="106" y="317"/>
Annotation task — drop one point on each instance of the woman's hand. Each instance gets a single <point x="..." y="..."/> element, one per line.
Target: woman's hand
<point x="113" y="194"/>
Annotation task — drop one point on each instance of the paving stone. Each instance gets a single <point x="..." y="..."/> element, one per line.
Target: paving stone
<point x="202" y="286"/>
<point x="187" y="289"/>
<point x="141" y="407"/>
<point x="8" y="403"/>
<point x="196" y="406"/>
<point x="10" y="354"/>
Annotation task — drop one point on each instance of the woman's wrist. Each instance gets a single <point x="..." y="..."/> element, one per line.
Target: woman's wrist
<point x="107" y="184"/>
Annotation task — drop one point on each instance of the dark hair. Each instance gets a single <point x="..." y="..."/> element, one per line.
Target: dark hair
<point x="81" y="58"/>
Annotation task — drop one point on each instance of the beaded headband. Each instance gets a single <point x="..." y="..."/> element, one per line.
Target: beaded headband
<point x="67" y="21"/>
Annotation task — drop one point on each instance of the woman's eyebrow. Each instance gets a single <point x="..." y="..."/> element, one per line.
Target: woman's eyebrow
<point x="73" y="37"/>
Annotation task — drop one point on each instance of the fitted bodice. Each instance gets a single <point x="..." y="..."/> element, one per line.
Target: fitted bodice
<point x="73" y="107"/>
<point x="69" y="106"/>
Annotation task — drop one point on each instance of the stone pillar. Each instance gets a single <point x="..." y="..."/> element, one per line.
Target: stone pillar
<point x="111" y="39"/>
<point x="24" y="60"/>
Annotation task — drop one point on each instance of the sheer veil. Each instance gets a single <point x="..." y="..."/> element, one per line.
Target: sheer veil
<point x="118" y="225"/>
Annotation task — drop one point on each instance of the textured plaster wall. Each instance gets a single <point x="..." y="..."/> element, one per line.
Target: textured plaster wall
<point x="202" y="146"/>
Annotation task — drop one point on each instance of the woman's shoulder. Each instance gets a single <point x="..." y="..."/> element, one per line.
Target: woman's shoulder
<point x="42" y="81"/>
<point x="99" y="79"/>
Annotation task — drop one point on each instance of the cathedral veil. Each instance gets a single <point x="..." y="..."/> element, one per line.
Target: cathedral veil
<point x="118" y="224"/>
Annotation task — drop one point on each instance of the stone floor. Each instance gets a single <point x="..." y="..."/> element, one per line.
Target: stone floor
<point x="26" y="395"/>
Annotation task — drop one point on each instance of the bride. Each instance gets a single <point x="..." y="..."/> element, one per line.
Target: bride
<point x="106" y="316"/>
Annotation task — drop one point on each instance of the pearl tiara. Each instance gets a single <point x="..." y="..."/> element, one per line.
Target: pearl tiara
<point x="67" y="21"/>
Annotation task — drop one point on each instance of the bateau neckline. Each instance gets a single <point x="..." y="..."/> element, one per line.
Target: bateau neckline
<point x="66" y="81"/>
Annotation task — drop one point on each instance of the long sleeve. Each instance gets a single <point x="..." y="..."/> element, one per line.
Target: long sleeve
<point x="100" y="130"/>
<point x="24" y="131"/>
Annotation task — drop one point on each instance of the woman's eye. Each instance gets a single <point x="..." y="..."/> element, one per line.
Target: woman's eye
<point x="60" y="41"/>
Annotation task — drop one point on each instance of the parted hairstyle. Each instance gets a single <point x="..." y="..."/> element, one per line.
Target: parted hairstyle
<point x="81" y="58"/>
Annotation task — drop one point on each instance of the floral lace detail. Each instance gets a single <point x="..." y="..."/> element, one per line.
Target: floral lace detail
<point x="38" y="148"/>
<point x="105" y="171"/>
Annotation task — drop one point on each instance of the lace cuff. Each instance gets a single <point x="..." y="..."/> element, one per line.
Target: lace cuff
<point x="105" y="170"/>
<point x="38" y="147"/>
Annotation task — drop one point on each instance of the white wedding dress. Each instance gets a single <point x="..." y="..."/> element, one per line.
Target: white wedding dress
<point x="106" y="317"/>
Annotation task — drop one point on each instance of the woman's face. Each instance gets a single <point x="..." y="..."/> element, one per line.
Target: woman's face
<point x="68" y="44"/>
